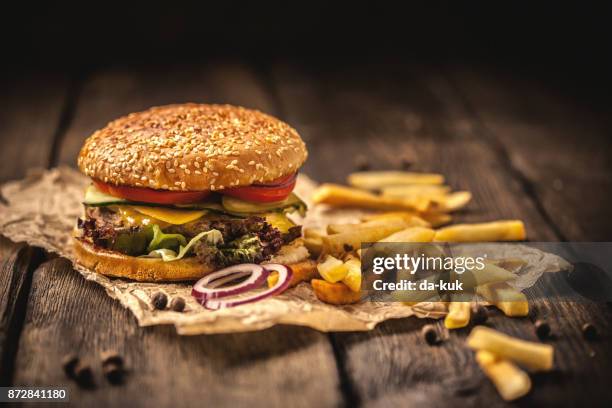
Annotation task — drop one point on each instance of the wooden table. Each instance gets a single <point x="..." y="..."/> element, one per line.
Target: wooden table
<point x="524" y="151"/>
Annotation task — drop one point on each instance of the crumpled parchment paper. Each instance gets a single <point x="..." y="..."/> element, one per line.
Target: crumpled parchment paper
<point x="42" y="210"/>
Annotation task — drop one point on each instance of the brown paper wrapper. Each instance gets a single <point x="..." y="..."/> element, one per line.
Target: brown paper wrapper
<point x="42" y="210"/>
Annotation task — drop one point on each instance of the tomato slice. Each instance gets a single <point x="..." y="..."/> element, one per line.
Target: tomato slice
<point x="276" y="190"/>
<point x="148" y="195"/>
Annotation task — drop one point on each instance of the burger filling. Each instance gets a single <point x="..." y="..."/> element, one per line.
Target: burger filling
<point x="214" y="233"/>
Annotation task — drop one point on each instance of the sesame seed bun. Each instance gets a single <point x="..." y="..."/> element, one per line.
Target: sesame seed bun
<point x="117" y="265"/>
<point x="192" y="147"/>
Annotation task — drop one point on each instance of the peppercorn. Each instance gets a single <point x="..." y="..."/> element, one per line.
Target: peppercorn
<point x="362" y="163"/>
<point x="430" y="334"/>
<point x="111" y="357"/>
<point x="406" y="163"/>
<point x="83" y="374"/>
<point x="589" y="331"/>
<point x="177" y="304"/>
<point x="542" y="329"/>
<point x="479" y="314"/>
<point x="113" y="372"/>
<point x="69" y="362"/>
<point x="159" y="300"/>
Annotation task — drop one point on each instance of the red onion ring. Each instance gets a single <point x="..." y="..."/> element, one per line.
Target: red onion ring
<point x="284" y="278"/>
<point x="209" y="286"/>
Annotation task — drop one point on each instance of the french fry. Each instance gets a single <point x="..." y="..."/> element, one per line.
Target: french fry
<point x="353" y="275"/>
<point x="436" y="219"/>
<point x="334" y="293"/>
<point x="313" y="233"/>
<point x="332" y="269"/>
<point x="417" y="190"/>
<point x="511" y="382"/>
<point x="480" y="277"/>
<point x="458" y="315"/>
<point x="510" y="230"/>
<point x="336" y="244"/>
<point x="412" y="234"/>
<point x="385" y="222"/>
<point x="375" y="180"/>
<point x="411" y="217"/>
<point x="452" y="202"/>
<point x="302" y="272"/>
<point x="510" y="301"/>
<point x="532" y="355"/>
<point x="314" y="246"/>
<point x="334" y="194"/>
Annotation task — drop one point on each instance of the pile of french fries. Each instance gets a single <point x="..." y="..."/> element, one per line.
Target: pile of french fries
<point x="411" y="207"/>
<point x="416" y="208"/>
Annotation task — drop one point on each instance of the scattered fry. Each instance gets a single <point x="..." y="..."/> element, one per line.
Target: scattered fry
<point x="417" y="190"/>
<point x="334" y="293"/>
<point x="436" y="219"/>
<point x="338" y="195"/>
<point x="336" y="244"/>
<point x="375" y="180"/>
<point x="314" y="246"/>
<point x="332" y="269"/>
<point x="532" y="355"/>
<point x="384" y="222"/>
<point x="411" y="217"/>
<point x="489" y="274"/>
<point x="511" y="382"/>
<point x="510" y="301"/>
<point x="511" y="230"/>
<point x="313" y="233"/>
<point x="452" y="202"/>
<point x="412" y="234"/>
<point x="458" y="315"/>
<point x="353" y="275"/>
<point x="302" y="272"/>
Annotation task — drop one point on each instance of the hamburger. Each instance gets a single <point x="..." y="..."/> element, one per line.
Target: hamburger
<point x="179" y="191"/>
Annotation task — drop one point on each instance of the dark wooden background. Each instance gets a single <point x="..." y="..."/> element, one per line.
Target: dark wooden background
<point x="521" y="120"/>
<point x="524" y="152"/>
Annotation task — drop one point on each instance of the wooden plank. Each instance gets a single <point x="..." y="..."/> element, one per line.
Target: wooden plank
<point x="388" y="115"/>
<point x="16" y="264"/>
<point x="31" y="114"/>
<point x="29" y="119"/>
<point x="560" y="146"/>
<point x="277" y="367"/>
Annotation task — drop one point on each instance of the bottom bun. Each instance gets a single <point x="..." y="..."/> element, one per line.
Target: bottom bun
<point x="140" y="269"/>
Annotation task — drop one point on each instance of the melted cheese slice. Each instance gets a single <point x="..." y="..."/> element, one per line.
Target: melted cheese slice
<point x="169" y="215"/>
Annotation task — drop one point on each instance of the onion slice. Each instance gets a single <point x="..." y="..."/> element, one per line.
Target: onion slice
<point x="211" y="286"/>
<point x="284" y="278"/>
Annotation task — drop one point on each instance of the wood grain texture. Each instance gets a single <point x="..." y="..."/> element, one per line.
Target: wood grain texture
<point x="401" y="113"/>
<point x="277" y="367"/>
<point x="16" y="264"/>
<point x="563" y="149"/>
<point x="282" y="366"/>
<point x="29" y="119"/>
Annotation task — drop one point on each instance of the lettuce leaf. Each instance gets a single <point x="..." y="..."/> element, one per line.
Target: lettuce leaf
<point x="165" y="241"/>
<point x="212" y="237"/>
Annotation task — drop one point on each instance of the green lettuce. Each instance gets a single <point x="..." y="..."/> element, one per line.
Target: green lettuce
<point x="212" y="237"/>
<point x="161" y="240"/>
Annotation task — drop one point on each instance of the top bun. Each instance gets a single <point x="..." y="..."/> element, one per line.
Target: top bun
<point x="192" y="147"/>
